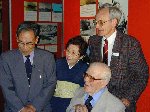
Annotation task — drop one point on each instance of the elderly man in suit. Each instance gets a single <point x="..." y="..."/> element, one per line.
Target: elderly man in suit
<point x="122" y="53"/>
<point x="27" y="74"/>
<point x="95" y="97"/>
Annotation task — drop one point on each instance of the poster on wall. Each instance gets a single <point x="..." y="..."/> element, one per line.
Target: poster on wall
<point x="45" y="12"/>
<point x="123" y="5"/>
<point x="87" y="15"/>
<point x="57" y="12"/>
<point x="51" y="48"/>
<point x="30" y="11"/>
<point x="87" y="27"/>
<point x="48" y="33"/>
<point x="87" y="8"/>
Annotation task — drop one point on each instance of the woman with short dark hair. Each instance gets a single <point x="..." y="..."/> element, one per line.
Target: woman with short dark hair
<point x="69" y="71"/>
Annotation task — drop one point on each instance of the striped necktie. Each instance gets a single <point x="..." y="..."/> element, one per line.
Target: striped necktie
<point x="105" y="52"/>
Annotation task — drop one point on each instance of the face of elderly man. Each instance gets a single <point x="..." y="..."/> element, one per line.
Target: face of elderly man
<point x="26" y="42"/>
<point x="96" y="78"/>
<point x="104" y="24"/>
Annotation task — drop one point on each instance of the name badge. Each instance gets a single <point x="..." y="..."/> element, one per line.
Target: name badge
<point x="115" y="54"/>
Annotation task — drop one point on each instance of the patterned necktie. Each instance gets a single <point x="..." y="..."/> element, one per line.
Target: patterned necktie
<point x="105" y="52"/>
<point x="28" y="68"/>
<point x="88" y="104"/>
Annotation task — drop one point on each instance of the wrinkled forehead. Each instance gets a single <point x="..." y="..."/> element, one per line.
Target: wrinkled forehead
<point x="94" y="71"/>
<point x="102" y="14"/>
<point x="26" y="36"/>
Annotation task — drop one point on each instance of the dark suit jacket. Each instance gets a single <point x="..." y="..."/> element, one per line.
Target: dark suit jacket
<point x="129" y="69"/>
<point x="14" y="82"/>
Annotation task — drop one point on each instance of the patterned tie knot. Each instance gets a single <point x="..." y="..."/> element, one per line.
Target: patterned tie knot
<point x="106" y="41"/>
<point x="89" y="98"/>
<point x="27" y="56"/>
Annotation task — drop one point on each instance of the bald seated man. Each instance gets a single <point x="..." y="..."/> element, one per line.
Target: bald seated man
<point x="94" y="96"/>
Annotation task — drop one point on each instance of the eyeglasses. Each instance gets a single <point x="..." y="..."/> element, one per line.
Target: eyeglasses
<point x="27" y="44"/>
<point x="72" y="53"/>
<point x="100" y="22"/>
<point x="91" y="78"/>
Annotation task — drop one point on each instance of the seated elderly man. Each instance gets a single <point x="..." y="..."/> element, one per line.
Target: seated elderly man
<point x="95" y="97"/>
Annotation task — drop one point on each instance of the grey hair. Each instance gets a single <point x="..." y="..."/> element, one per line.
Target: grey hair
<point x="114" y="11"/>
<point x="104" y="70"/>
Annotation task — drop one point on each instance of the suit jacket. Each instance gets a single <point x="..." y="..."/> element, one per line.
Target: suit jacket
<point x="14" y="82"/>
<point x="129" y="69"/>
<point x="106" y="103"/>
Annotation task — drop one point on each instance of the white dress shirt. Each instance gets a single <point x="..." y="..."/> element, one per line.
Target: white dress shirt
<point x="111" y="40"/>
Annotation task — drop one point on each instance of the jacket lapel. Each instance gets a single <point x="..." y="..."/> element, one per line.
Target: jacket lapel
<point x="116" y="51"/>
<point x="37" y="74"/>
<point x="21" y="74"/>
<point x="20" y="64"/>
<point x="101" y="102"/>
<point x="79" y="97"/>
<point x="100" y="46"/>
<point x="96" y="44"/>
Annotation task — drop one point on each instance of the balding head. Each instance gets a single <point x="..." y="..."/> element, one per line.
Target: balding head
<point x="101" y="69"/>
<point x="97" y="77"/>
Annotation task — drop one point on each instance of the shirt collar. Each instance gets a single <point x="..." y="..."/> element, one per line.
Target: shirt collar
<point x="70" y="67"/>
<point x="31" y="57"/>
<point x="111" y="39"/>
<point x="95" y="96"/>
<point x="98" y="94"/>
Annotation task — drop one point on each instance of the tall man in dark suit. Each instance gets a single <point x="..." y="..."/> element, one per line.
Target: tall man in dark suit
<point x="124" y="56"/>
<point x="27" y="74"/>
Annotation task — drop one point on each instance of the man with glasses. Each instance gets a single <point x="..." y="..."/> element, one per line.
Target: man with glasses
<point x="122" y="53"/>
<point x="95" y="97"/>
<point x="27" y="75"/>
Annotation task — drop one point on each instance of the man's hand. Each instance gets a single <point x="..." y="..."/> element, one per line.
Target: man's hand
<point x="28" y="108"/>
<point x="126" y="102"/>
<point x="80" y="108"/>
<point x="32" y="107"/>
